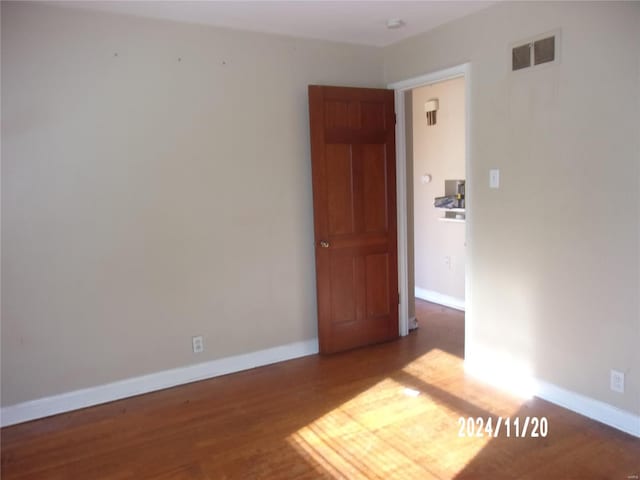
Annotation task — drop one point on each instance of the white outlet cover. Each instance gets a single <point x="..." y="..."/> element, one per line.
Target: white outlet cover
<point x="197" y="344"/>
<point x="617" y="381"/>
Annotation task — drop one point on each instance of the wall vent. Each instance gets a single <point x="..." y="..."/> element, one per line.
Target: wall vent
<point x="538" y="51"/>
<point x="544" y="50"/>
<point x="521" y="57"/>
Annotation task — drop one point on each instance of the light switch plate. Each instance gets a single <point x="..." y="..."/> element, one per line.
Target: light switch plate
<point x="494" y="178"/>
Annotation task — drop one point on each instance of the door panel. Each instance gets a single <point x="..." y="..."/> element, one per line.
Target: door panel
<point x="373" y="115"/>
<point x="343" y="280"/>
<point x="354" y="195"/>
<point x="375" y="188"/>
<point x="340" y="114"/>
<point x="377" y="285"/>
<point x="339" y="176"/>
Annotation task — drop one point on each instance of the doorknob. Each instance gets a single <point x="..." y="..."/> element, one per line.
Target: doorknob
<point x="324" y="244"/>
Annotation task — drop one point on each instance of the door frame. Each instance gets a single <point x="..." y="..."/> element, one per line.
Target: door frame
<point x="464" y="71"/>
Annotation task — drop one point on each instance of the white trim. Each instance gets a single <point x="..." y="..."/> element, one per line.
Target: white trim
<point x="400" y="88"/>
<point x="505" y="378"/>
<point x="594" y="409"/>
<point x="401" y="189"/>
<point x="468" y="216"/>
<point x="431" y="78"/>
<point x="440" y="298"/>
<point x="87" y="397"/>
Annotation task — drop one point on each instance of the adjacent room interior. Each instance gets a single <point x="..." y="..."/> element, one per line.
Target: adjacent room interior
<point x="437" y="166"/>
<point x="162" y="268"/>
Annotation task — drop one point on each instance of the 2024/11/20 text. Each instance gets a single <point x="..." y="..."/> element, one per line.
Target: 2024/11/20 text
<point x="534" y="427"/>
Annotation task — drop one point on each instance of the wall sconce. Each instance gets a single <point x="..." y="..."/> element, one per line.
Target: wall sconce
<point x="430" y="108"/>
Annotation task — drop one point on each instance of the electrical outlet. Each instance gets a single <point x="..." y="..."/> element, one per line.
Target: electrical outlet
<point x="198" y="344"/>
<point x="617" y="381"/>
<point x="494" y="178"/>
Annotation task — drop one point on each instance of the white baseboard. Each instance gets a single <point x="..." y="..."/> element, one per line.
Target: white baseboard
<point x="439" y="298"/>
<point x="87" y="397"/>
<point x="44" y="407"/>
<point x="595" y="409"/>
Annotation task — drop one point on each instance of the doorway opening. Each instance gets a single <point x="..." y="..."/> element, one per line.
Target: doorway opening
<point x="436" y="176"/>
<point x="423" y="103"/>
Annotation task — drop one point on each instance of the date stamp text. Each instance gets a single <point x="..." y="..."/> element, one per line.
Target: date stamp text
<point x="516" y="427"/>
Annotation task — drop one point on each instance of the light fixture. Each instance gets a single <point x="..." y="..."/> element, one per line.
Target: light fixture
<point x="430" y="108"/>
<point x="394" y="23"/>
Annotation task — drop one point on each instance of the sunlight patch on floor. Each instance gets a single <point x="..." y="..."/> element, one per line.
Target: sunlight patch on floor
<point x="434" y="365"/>
<point x="347" y="442"/>
<point x="503" y="371"/>
<point x="398" y="429"/>
<point x="447" y="371"/>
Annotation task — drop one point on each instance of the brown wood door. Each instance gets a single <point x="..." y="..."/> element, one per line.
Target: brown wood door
<point x="354" y="201"/>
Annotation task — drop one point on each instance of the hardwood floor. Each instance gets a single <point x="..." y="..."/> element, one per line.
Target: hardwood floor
<point x="389" y="411"/>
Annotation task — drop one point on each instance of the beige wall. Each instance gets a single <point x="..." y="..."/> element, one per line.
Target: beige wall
<point x="554" y="253"/>
<point x="146" y="199"/>
<point x="439" y="151"/>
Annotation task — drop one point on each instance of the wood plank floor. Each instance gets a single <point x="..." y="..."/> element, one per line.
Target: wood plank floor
<point x="389" y="411"/>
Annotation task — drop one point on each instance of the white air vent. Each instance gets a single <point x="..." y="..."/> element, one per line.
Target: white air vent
<point x="536" y="51"/>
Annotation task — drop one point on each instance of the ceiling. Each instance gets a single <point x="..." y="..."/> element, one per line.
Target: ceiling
<point x="361" y="22"/>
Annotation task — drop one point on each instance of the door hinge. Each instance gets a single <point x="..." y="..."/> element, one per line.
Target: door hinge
<point x="395" y="118"/>
<point x="398" y="298"/>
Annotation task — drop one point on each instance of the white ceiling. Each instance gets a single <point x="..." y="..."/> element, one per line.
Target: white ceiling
<point x="362" y="22"/>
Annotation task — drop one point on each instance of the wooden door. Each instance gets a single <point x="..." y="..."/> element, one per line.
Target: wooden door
<point x="354" y="200"/>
